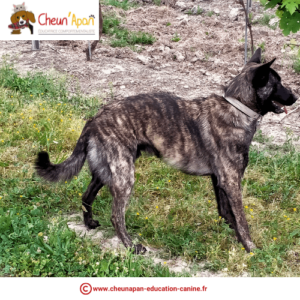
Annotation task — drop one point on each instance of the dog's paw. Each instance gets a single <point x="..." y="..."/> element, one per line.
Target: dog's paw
<point x="92" y="224"/>
<point x="249" y="246"/>
<point x="139" y="249"/>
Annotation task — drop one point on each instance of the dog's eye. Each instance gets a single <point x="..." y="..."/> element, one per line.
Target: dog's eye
<point x="18" y="17"/>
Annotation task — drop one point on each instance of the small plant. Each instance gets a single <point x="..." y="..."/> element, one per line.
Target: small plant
<point x="251" y="16"/>
<point x="188" y="12"/>
<point x="175" y="38"/>
<point x="207" y="56"/>
<point x="168" y="24"/>
<point x="206" y="32"/>
<point x="122" y="36"/>
<point x="242" y="40"/>
<point x="265" y="20"/>
<point x="124" y="4"/>
<point x="210" y="13"/>
<point x="157" y="2"/>
<point x="296" y="63"/>
<point x="199" y="11"/>
<point x="262" y="46"/>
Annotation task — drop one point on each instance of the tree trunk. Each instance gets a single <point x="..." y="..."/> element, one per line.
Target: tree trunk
<point x="95" y="43"/>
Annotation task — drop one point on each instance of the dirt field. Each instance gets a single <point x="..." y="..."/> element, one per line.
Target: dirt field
<point x="209" y="54"/>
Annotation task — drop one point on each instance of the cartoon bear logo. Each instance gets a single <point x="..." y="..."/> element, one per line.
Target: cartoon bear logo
<point x="21" y="19"/>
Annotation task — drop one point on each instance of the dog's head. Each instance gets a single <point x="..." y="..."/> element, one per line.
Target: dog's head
<point x="21" y="17"/>
<point x="259" y="87"/>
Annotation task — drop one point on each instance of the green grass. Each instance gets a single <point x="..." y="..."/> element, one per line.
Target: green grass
<point x="296" y="62"/>
<point x="126" y="5"/>
<point x="175" y="38"/>
<point x="169" y="210"/>
<point x="265" y="21"/>
<point x="122" y="37"/>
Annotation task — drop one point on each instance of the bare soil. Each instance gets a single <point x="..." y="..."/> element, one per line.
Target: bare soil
<point x="209" y="54"/>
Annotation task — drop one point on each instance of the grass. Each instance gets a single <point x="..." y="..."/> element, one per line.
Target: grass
<point x="34" y="237"/>
<point x="296" y="62"/>
<point x="175" y="38"/>
<point x="126" y="5"/>
<point x="265" y="21"/>
<point x="169" y="210"/>
<point x="198" y="12"/>
<point x="122" y="37"/>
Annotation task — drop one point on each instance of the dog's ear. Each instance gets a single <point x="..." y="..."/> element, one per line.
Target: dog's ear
<point x="260" y="75"/>
<point x="30" y="16"/>
<point x="256" y="57"/>
<point x="13" y="19"/>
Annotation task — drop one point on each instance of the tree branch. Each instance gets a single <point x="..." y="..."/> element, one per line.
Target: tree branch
<point x="248" y="24"/>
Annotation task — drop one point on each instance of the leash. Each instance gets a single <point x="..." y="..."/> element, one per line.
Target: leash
<point x="241" y="107"/>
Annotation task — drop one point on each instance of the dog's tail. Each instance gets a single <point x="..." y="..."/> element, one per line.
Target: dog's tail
<point x="65" y="170"/>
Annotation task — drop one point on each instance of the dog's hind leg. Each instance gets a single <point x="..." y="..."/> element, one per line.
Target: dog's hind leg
<point x="121" y="186"/>
<point x="87" y="202"/>
<point x="230" y="198"/>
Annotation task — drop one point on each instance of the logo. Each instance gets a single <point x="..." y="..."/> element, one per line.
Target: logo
<point x="21" y="19"/>
<point x="85" y="289"/>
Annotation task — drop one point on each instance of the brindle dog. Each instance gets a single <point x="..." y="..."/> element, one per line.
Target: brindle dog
<point x="206" y="137"/>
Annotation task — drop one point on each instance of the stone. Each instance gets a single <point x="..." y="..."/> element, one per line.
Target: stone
<point x="181" y="5"/>
<point x="143" y="59"/>
<point x="179" y="56"/>
<point x="233" y="15"/>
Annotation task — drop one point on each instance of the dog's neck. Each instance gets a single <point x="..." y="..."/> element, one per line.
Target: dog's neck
<point x="242" y="90"/>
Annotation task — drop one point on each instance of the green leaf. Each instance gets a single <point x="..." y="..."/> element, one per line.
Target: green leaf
<point x="272" y="4"/>
<point x="295" y="232"/>
<point x="290" y="5"/>
<point x="290" y="22"/>
<point x="279" y="13"/>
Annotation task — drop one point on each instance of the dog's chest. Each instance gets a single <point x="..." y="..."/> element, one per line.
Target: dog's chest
<point x="191" y="164"/>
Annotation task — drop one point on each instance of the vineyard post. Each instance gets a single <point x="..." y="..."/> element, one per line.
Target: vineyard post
<point x="90" y="51"/>
<point x="35" y="45"/>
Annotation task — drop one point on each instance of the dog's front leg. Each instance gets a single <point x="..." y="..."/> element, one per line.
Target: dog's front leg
<point x="227" y="187"/>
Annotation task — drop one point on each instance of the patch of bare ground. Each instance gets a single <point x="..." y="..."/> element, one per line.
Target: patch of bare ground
<point x="209" y="54"/>
<point x="177" y="265"/>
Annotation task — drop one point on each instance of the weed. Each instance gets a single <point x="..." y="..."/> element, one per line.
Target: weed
<point x="210" y="13"/>
<point x="189" y="12"/>
<point x="199" y="11"/>
<point x="124" y="4"/>
<point x="168" y="24"/>
<point x="122" y="37"/>
<point x="176" y="38"/>
<point x="265" y="20"/>
<point x="296" y="62"/>
<point x="157" y="2"/>
<point x="260" y="138"/>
